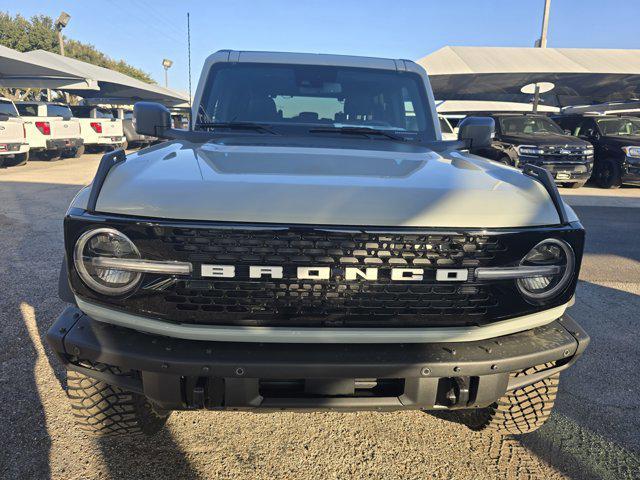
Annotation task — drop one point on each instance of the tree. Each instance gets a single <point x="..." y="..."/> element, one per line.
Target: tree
<point x="39" y="33"/>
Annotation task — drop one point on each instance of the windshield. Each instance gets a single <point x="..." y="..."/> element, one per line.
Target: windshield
<point x="619" y="126"/>
<point x="315" y="96"/>
<point x="7" y="108"/>
<point x="58" y="111"/>
<point x="528" y="125"/>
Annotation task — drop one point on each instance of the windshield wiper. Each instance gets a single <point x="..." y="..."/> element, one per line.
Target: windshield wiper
<point x="358" y="131"/>
<point x="236" y="126"/>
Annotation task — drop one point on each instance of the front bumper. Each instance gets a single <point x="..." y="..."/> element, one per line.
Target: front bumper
<point x="187" y="374"/>
<point x="568" y="173"/>
<point x="631" y="171"/>
<point x="64" y="143"/>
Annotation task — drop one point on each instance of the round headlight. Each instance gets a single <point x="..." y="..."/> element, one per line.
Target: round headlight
<point x="105" y="243"/>
<point x="550" y="252"/>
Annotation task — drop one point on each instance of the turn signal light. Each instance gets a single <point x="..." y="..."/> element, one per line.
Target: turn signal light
<point x="44" y="128"/>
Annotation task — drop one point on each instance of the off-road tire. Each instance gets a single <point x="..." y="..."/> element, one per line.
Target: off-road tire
<point x="608" y="174"/>
<point x="523" y="410"/>
<point x="107" y="410"/>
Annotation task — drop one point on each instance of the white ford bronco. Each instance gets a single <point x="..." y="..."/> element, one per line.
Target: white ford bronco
<point x="14" y="148"/>
<point x="311" y="243"/>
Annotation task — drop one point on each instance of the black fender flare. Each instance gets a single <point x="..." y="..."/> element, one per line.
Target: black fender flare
<point x="64" y="288"/>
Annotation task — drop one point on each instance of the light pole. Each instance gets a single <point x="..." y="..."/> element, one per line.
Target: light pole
<point x="545" y="24"/>
<point x="62" y="22"/>
<point x="166" y="63"/>
<point x="542" y="43"/>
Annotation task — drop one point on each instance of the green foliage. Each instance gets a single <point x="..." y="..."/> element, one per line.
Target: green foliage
<point x="39" y="33"/>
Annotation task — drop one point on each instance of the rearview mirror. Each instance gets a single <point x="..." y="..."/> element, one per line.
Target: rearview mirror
<point x="152" y="119"/>
<point x="476" y="132"/>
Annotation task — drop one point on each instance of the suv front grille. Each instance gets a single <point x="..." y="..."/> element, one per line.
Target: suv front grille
<point x="334" y="301"/>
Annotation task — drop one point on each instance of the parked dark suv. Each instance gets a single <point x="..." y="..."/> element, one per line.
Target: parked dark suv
<point x="522" y="138"/>
<point x="616" y="140"/>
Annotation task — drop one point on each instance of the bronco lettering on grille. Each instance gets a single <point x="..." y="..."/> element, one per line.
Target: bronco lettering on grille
<point x="324" y="273"/>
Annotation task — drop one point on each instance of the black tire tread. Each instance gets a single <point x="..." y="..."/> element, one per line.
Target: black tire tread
<point x="523" y="410"/>
<point x="108" y="410"/>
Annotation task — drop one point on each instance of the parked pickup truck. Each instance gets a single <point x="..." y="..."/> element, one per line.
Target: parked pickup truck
<point x="14" y="149"/>
<point x="311" y="243"/>
<point x="133" y="138"/>
<point x="99" y="128"/>
<point x="616" y="139"/>
<point x="51" y="131"/>
<point x="533" y="139"/>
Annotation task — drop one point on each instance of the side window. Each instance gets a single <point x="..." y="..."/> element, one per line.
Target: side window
<point x="586" y="129"/>
<point x="27" y="110"/>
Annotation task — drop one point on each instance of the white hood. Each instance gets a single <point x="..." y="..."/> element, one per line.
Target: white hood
<point x="409" y="187"/>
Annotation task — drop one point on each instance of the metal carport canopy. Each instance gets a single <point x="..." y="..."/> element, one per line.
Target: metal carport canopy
<point x="580" y="75"/>
<point x="112" y="84"/>
<point x="17" y="70"/>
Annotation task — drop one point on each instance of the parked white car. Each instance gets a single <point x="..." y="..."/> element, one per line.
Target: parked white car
<point x="14" y="149"/>
<point x="51" y="132"/>
<point x="99" y="128"/>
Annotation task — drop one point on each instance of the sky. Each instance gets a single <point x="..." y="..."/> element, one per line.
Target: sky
<point x="143" y="32"/>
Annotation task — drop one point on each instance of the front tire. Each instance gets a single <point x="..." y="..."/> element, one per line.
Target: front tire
<point x="577" y="184"/>
<point x="523" y="410"/>
<point x="506" y="160"/>
<point x="608" y="174"/>
<point x="107" y="410"/>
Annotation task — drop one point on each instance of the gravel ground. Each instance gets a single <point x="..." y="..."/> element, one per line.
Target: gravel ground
<point x="594" y="432"/>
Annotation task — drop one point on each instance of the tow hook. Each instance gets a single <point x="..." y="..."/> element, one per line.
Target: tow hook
<point x="458" y="394"/>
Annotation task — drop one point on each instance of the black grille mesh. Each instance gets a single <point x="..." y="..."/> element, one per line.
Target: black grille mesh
<point x="335" y="301"/>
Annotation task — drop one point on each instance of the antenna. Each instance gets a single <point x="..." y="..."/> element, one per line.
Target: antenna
<point x="189" y="62"/>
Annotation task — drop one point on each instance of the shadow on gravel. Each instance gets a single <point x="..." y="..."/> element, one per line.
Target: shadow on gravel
<point x="156" y="457"/>
<point x="595" y="430"/>
<point x="25" y="436"/>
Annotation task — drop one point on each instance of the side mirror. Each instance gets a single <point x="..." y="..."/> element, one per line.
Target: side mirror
<point x="152" y="119"/>
<point x="476" y="132"/>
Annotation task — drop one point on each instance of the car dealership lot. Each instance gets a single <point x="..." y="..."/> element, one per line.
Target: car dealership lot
<point x="594" y="431"/>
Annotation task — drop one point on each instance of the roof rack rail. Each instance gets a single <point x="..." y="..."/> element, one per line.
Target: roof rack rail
<point x="545" y="178"/>
<point x="108" y="161"/>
